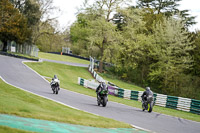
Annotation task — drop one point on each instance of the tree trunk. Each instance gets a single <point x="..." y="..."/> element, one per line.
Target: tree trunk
<point x="5" y="46"/>
<point x="101" y="66"/>
<point x="101" y="60"/>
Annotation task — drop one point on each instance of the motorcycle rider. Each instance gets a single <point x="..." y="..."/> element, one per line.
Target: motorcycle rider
<point x="102" y="86"/>
<point x="146" y="93"/>
<point x="54" y="80"/>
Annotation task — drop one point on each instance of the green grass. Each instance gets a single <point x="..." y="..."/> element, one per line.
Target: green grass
<point x="61" y="58"/>
<point x="14" y="101"/>
<point x="68" y="76"/>
<point x="5" y="129"/>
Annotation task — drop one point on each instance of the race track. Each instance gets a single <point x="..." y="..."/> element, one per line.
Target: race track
<point x="13" y="71"/>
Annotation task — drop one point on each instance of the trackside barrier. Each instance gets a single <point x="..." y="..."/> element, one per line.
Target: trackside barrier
<point x="161" y="100"/>
<point x="184" y="104"/>
<point x="179" y="103"/>
<point x="112" y="90"/>
<point x="172" y="102"/>
<point x="93" y="85"/>
<point x="195" y="106"/>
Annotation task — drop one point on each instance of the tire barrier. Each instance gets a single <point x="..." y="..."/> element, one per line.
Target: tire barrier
<point x="195" y="106"/>
<point x="93" y="85"/>
<point x="173" y="102"/>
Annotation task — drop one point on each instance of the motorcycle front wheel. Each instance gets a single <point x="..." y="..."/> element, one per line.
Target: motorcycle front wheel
<point x="105" y="99"/>
<point x="98" y="102"/>
<point x="56" y="90"/>
<point x="53" y="89"/>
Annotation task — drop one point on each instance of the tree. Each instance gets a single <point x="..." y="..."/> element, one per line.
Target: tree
<point x="196" y="54"/>
<point x="30" y="9"/>
<point x="100" y="15"/>
<point x="134" y="49"/>
<point x="13" y="25"/>
<point x="49" y="40"/>
<point x="168" y="8"/>
<point x="79" y="32"/>
<point x="104" y="36"/>
<point x="171" y="55"/>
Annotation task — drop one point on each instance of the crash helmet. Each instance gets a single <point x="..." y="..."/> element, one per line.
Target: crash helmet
<point x="148" y="88"/>
<point x="55" y="77"/>
<point x="103" y="85"/>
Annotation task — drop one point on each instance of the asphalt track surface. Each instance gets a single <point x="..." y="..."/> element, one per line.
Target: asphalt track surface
<point x="13" y="71"/>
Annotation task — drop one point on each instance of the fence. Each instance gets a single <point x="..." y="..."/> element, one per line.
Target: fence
<point x="25" y="48"/>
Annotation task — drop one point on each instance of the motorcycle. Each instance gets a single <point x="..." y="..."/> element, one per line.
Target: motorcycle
<point x="148" y="104"/>
<point x="102" y="98"/>
<point x="55" y="83"/>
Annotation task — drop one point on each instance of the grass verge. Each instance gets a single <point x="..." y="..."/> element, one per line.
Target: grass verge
<point x="14" y="101"/>
<point x="61" y="58"/>
<point x="5" y="129"/>
<point x="68" y="76"/>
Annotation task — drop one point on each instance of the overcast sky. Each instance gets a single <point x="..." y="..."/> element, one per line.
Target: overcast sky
<point x="69" y="8"/>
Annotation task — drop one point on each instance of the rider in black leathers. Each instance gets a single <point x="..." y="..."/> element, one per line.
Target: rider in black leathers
<point x="146" y="94"/>
<point x="101" y="87"/>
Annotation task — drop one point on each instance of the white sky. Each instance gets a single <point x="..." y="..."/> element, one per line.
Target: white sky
<point x="69" y="7"/>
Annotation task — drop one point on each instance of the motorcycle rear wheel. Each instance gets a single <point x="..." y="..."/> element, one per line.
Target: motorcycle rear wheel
<point x="53" y="89"/>
<point x="150" y="107"/>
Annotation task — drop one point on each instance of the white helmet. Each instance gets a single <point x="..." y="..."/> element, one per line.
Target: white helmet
<point x="147" y="88"/>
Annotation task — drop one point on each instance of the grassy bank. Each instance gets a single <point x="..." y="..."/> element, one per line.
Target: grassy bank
<point x="75" y="60"/>
<point x="61" y="58"/>
<point x="69" y="78"/>
<point x="17" y="102"/>
<point x="5" y="129"/>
